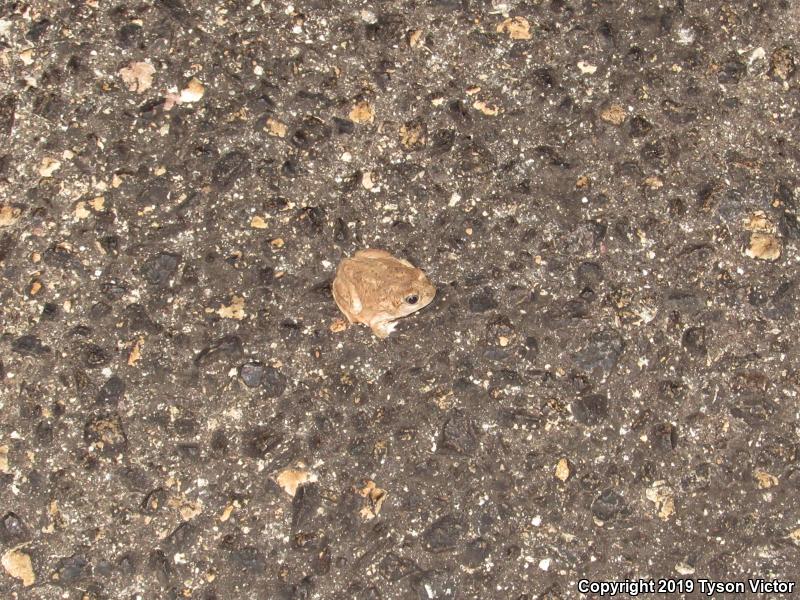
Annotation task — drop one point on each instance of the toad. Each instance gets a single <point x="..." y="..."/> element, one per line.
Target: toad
<point x="375" y="288"/>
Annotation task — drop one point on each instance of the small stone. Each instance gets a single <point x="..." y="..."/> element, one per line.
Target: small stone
<point x="477" y="550"/>
<point x="517" y="28"/>
<point x="782" y="64"/>
<point x="228" y="345"/>
<point x="235" y="310"/>
<point x="138" y="76"/>
<point x="338" y="326"/>
<point x="13" y="529"/>
<point x="654" y="183"/>
<point x="106" y="433"/>
<point x="26" y="57"/>
<point x="366" y="180"/>
<point x="277" y="243"/>
<point x="694" y="341"/>
<point x="4" y="460"/>
<point x="763" y="246"/>
<point x="459" y="434"/>
<point x="665" y="436"/>
<point x="684" y="568"/>
<point x="759" y="222"/>
<point x="614" y="114"/>
<point x="412" y="135"/>
<point x="94" y="356"/>
<point x="258" y="222"/>
<point x="795" y="536"/>
<point x="71" y="569"/>
<point x="639" y="126"/>
<point x="229" y="169"/>
<point x="374" y="499"/>
<point x="661" y="494"/>
<point x="276" y="128"/>
<point x="544" y="564"/>
<point x="414" y="38"/>
<point x="487" y="109"/>
<point x="602" y="353"/>
<point x="9" y="215"/>
<point x="362" y="113"/>
<point x="81" y="212"/>
<point x="192" y="92"/>
<point x="19" y="565"/>
<point x="252" y="373"/>
<point x="563" y="470"/>
<point x="587" y="68"/>
<point x="136" y="352"/>
<point x="226" y="514"/>
<point x="291" y="479"/>
<point x="48" y="166"/>
<point x="765" y="480"/>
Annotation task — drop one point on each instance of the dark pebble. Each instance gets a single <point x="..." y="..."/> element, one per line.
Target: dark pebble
<point x="111" y="392"/>
<point x="229" y="169"/>
<point x="395" y="568"/>
<point x="608" y="505"/>
<point x="665" y="436"/>
<point x="482" y="301"/>
<point x="71" y="569"/>
<point x="50" y="311"/>
<point x="129" y="35"/>
<point x="159" y="269"/>
<point x="459" y="434"/>
<point x="13" y="529"/>
<point x="250" y="558"/>
<point x="261" y="441"/>
<point x="639" y="127"/>
<point x="8" y="107"/>
<point x="444" y="534"/>
<point x="694" y="341"/>
<point x="252" y="373"/>
<point x="477" y="550"/>
<point x="591" y="409"/>
<point x="601" y="354"/>
<point x="273" y="382"/>
<point x="38" y="29"/>
<point x="94" y="356"/>
<point x="159" y="564"/>
<point x="306" y="502"/>
<point x="588" y="275"/>
<point x="29" y="345"/>
<point x="226" y="346"/>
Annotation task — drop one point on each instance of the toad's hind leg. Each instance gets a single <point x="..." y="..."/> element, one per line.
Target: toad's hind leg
<point x="346" y="299"/>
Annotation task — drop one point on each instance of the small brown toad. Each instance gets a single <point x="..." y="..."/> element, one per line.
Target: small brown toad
<point x="375" y="288"/>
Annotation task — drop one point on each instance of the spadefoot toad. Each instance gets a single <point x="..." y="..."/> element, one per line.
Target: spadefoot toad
<point x="375" y="288"/>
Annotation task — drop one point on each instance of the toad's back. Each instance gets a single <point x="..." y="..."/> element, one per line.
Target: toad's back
<point x="373" y="287"/>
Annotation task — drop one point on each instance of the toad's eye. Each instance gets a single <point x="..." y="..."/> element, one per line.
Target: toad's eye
<point x="412" y="299"/>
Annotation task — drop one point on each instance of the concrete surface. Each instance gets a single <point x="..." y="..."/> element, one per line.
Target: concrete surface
<point x="605" y="387"/>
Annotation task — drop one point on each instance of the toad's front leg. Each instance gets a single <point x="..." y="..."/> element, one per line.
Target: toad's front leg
<point x="383" y="328"/>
